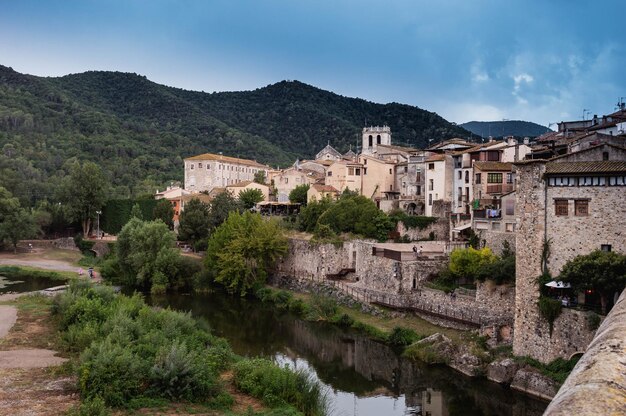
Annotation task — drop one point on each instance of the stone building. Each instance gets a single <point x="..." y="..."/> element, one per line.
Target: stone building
<point x="287" y="180"/>
<point x="207" y="171"/>
<point x="237" y="188"/>
<point x="374" y="136"/>
<point x="574" y="204"/>
<point x="494" y="230"/>
<point x="438" y="169"/>
<point x="328" y="153"/>
<point x="317" y="192"/>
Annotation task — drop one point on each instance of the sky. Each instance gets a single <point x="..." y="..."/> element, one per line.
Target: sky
<point x="538" y="60"/>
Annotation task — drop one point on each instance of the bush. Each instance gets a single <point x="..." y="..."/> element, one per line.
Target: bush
<point x="344" y="320"/>
<point x="593" y="321"/>
<point x="550" y="309"/>
<point x="425" y="353"/>
<point x="299" y="308"/>
<point x="323" y="307"/>
<point x="282" y="298"/>
<point x="90" y="407"/>
<point x="277" y="386"/>
<point x="402" y="336"/>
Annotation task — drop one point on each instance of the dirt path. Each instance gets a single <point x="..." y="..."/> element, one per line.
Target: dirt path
<point x="8" y="316"/>
<point x="48" y="264"/>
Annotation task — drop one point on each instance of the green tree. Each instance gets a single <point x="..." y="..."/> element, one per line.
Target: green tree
<point x="147" y="255"/>
<point x="135" y="212"/>
<point x="299" y="194"/>
<point x="249" y="197"/>
<point x="469" y="262"/>
<point x="604" y="272"/>
<point x="242" y="250"/>
<point x="259" y="177"/>
<point x="356" y="214"/>
<point x="165" y="212"/>
<point x="221" y="206"/>
<point x="84" y="192"/>
<point x="194" y="223"/>
<point x="17" y="226"/>
<point x="309" y="215"/>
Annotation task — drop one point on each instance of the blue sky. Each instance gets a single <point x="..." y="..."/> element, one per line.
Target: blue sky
<point x="542" y="61"/>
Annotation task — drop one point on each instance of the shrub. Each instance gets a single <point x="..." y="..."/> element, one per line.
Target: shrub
<point x="277" y="386"/>
<point x="593" y="321"/>
<point x="265" y="294"/>
<point x="550" y="309"/>
<point x="80" y="336"/>
<point x="402" y="336"/>
<point x="282" y="299"/>
<point x="299" y="307"/>
<point x="425" y="353"/>
<point x="344" y="320"/>
<point x="90" y="407"/>
<point x="323" y="307"/>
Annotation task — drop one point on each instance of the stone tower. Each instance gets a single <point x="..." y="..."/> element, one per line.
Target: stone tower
<point x="373" y="136"/>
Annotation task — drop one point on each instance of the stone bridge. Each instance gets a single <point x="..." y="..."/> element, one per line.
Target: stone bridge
<point x="597" y="385"/>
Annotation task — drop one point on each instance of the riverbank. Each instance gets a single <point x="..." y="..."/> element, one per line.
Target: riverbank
<point x="464" y="351"/>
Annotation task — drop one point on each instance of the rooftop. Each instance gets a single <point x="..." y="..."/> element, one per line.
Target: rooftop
<point x="605" y="166"/>
<point x="493" y="166"/>
<point x="227" y="159"/>
<point x="324" y="188"/>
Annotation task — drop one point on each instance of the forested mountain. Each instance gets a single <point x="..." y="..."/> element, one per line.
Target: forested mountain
<point x="140" y="131"/>
<point x="517" y="128"/>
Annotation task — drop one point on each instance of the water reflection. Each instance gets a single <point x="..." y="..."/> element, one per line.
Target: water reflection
<point x="363" y="377"/>
<point x="26" y="284"/>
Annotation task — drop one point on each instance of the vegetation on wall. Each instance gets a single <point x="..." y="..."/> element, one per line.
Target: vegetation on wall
<point x="117" y="212"/>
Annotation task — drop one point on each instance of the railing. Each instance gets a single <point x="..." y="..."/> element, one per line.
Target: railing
<point x="494" y="189"/>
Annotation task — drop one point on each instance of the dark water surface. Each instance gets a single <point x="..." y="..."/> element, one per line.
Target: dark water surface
<point x="26" y="284"/>
<point x="363" y="377"/>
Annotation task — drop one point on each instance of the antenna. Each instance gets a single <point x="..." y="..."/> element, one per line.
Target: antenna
<point x="585" y="110"/>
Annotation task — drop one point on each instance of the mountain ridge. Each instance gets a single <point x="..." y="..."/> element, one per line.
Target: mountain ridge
<point x="517" y="128"/>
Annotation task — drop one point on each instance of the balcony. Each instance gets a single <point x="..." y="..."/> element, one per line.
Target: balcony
<point x="487" y="214"/>
<point x="500" y="188"/>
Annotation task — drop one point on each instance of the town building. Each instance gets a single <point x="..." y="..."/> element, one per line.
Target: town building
<point x="344" y="174"/>
<point x="328" y="153"/>
<point x="206" y="171"/>
<point x="174" y="194"/>
<point x="374" y="136"/>
<point x="247" y="185"/>
<point x="438" y="179"/>
<point x="317" y="192"/>
<point x="287" y="180"/>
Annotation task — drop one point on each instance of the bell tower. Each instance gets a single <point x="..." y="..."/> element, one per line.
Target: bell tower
<point x="374" y="136"/>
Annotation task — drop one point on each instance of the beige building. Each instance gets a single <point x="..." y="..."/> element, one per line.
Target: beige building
<point x="374" y="136"/>
<point x="317" y="192"/>
<point x="491" y="180"/>
<point x="438" y="180"/>
<point x="379" y="177"/>
<point x="246" y="185"/>
<point x="344" y="174"/>
<point x="287" y="180"/>
<point x="206" y="171"/>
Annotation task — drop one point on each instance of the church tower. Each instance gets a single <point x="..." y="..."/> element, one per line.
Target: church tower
<point x="373" y="136"/>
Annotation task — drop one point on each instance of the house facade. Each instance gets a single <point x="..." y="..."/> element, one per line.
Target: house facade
<point x="207" y="171"/>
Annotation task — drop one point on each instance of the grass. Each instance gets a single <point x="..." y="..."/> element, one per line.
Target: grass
<point x="17" y="272"/>
<point x="557" y="370"/>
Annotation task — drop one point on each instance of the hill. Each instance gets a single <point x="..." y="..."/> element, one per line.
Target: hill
<point x="139" y="131"/>
<point x="516" y="128"/>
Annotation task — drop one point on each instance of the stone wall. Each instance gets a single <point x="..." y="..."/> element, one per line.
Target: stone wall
<point x="532" y="337"/>
<point x="495" y="240"/>
<point x="441" y="230"/>
<point x="597" y="385"/>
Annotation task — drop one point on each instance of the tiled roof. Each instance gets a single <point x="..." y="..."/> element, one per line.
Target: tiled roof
<point x="493" y="166"/>
<point x="324" y="188"/>
<point x="435" y="158"/>
<point x="241" y="184"/>
<point x="227" y="159"/>
<point x="399" y="148"/>
<point x="605" y="166"/>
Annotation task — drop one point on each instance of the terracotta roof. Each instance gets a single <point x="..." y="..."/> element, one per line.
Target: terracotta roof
<point x="494" y="166"/>
<point x="227" y="159"/>
<point x="605" y="166"/>
<point x="241" y="184"/>
<point x="201" y="196"/>
<point x="399" y="148"/>
<point x="435" y="158"/>
<point x="324" y="188"/>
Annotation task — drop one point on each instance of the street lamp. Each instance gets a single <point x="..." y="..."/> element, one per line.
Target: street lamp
<point x="98" y="232"/>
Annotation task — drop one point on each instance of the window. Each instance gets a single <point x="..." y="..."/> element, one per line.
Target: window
<point x="371" y="141"/>
<point x="494" y="178"/>
<point x="406" y="169"/>
<point x="365" y="171"/>
<point x="431" y="166"/>
<point x="365" y="162"/>
<point x="390" y="171"/>
<point x="199" y="165"/>
<point x="605" y="247"/>
<point x="509" y="177"/>
<point x="330" y="173"/>
<point x="419" y="190"/>
<point x="208" y="167"/>
<point x="478" y="178"/>
<point x="495" y="226"/>
<point x="581" y="207"/>
<point x="560" y="207"/>
<point x="357" y="171"/>
<point x="351" y="171"/>
<point x="430" y="199"/>
<point x="192" y="166"/>
<point x="431" y="184"/>
<point x="510" y="227"/>
<point x="493" y="156"/>
<point x="460" y="175"/>
<point x="287" y="179"/>
<point x="378" y="139"/>
<point x="605" y="155"/>
<point x="467" y="176"/>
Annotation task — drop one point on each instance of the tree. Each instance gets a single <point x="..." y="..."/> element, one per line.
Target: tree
<point x="135" y="212"/>
<point x="259" y="177"/>
<point x="194" y="223"/>
<point x="221" y="206"/>
<point x="356" y="214"/>
<point x="469" y="262"/>
<point x="299" y="194"/>
<point x="242" y="250"/>
<point x="249" y="197"/>
<point x="84" y="193"/>
<point x="165" y="212"/>
<point x="604" y="272"/>
<point x="17" y="226"/>
<point x="146" y="254"/>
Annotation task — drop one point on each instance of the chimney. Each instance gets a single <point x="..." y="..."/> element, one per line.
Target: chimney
<point x="526" y="141"/>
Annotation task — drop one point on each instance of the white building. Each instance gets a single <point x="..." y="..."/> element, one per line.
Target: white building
<point x="207" y="171"/>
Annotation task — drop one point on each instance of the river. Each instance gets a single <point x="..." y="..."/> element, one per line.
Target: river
<point x="362" y="377"/>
